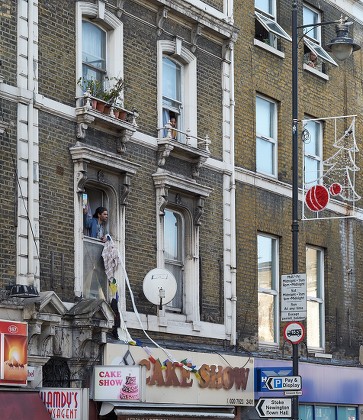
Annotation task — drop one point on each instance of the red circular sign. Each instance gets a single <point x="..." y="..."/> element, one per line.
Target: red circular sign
<point x="317" y="198"/>
<point x="294" y="332"/>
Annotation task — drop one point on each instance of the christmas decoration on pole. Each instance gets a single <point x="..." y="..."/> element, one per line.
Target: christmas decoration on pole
<point x="335" y="176"/>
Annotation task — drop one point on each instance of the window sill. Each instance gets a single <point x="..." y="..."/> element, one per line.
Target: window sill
<point x="176" y="324"/>
<point x="88" y="116"/>
<point x="269" y="48"/>
<point x="316" y="72"/>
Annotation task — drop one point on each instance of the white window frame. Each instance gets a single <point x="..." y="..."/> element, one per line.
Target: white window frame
<point x="89" y="162"/>
<point x="317" y="157"/>
<point x="178" y="304"/>
<point x="188" y="61"/>
<point x="97" y="14"/>
<point x="271" y="140"/>
<point x="308" y="32"/>
<point x="267" y="19"/>
<point x="275" y="286"/>
<point x="184" y="196"/>
<point x="319" y="299"/>
<point x="313" y="43"/>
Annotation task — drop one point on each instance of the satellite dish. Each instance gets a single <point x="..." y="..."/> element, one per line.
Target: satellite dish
<point x="159" y="286"/>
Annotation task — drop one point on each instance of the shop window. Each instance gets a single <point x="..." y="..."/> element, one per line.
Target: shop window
<point x="327" y="412"/>
<point x="268" y="289"/>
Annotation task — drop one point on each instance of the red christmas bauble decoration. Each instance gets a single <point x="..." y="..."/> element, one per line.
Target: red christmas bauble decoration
<point x="317" y="198"/>
<point x="335" y="188"/>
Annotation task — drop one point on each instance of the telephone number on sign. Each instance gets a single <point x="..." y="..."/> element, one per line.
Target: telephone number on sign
<point x="240" y="401"/>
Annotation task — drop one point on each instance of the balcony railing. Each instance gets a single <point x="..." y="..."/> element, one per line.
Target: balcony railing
<point x="174" y="142"/>
<point x="105" y="117"/>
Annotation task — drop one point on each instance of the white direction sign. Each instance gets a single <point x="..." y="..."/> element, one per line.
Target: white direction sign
<point x="292" y="393"/>
<point x="283" y="383"/>
<point x="274" y="407"/>
<point x="293" y="297"/>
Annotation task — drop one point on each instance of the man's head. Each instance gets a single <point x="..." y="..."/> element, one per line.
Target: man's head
<point x="101" y="214"/>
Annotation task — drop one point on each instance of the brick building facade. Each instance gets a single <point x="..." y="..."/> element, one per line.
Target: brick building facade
<point x="198" y="199"/>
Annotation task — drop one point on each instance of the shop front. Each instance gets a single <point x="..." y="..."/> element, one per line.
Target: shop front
<point x="328" y="391"/>
<point x="160" y="384"/>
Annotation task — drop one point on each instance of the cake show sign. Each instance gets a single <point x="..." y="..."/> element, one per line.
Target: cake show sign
<point x="117" y="383"/>
<point x="198" y="378"/>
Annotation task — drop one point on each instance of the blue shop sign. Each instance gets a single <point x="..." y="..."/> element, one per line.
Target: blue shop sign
<point x="261" y="375"/>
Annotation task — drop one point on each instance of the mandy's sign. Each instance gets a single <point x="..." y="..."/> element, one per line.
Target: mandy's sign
<point x="13" y="353"/>
<point x="199" y="378"/>
<point x="65" y="403"/>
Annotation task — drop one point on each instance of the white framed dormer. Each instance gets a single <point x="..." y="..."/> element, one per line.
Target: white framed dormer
<point x="182" y="65"/>
<point x="96" y="14"/>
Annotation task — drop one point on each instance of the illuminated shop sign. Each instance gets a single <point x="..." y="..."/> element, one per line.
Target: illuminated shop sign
<point x="13" y="353"/>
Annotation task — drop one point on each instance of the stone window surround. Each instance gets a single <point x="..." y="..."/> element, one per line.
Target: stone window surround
<point x="111" y="173"/>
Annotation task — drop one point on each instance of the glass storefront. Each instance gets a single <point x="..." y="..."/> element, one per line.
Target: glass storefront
<point x="327" y="412"/>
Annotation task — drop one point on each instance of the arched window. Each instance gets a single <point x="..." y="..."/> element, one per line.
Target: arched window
<point x="93" y="52"/>
<point x="177" y="89"/>
<point x="174" y="252"/>
<point x="172" y="93"/>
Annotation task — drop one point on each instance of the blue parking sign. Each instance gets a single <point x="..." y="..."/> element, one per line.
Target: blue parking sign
<point x="262" y="374"/>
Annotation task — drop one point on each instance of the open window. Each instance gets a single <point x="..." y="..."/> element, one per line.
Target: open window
<point x="177" y="91"/>
<point x="100" y="180"/>
<point x="315" y="56"/>
<point x="267" y="30"/>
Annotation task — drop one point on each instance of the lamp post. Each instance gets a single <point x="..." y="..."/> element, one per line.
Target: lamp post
<point x="342" y="47"/>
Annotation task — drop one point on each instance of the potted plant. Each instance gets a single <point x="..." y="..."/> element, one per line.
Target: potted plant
<point x="93" y="87"/>
<point x="112" y="95"/>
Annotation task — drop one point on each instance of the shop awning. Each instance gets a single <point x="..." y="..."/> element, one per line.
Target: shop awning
<point x="166" y="411"/>
<point x="22" y="405"/>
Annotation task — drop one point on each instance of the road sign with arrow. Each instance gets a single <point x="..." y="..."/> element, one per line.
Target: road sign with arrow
<point x="274" y="407"/>
<point x="283" y="383"/>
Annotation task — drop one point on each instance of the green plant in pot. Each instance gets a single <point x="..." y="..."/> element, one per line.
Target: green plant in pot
<point x="112" y="95"/>
<point x="93" y="86"/>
